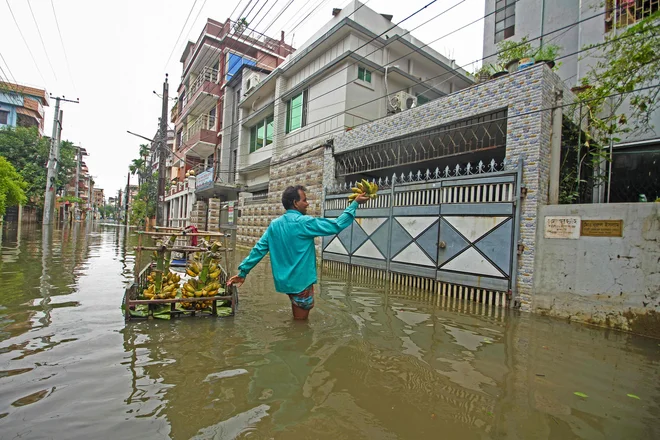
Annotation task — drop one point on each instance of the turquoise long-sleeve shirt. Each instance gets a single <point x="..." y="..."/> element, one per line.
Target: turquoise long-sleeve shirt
<point x="290" y="241"/>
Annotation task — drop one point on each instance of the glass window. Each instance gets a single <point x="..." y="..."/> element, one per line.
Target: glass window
<point x="505" y="20"/>
<point x="234" y="62"/>
<point x="296" y="112"/>
<point x="261" y="134"/>
<point x="364" y="74"/>
<point x="4" y="116"/>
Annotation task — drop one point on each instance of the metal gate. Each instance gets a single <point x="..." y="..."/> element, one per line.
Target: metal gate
<point x="458" y="228"/>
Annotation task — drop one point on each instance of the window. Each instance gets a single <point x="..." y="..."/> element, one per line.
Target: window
<point x="296" y="112"/>
<point x="237" y="99"/>
<point x="234" y="62"/>
<point x="212" y="119"/>
<point x="4" y="116"/>
<point x="364" y="74"/>
<point x="627" y="12"/>
<point x="505" y="19"/>
<point x="261" y="134"/>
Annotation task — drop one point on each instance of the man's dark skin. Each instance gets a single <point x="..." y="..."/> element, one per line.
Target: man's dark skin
<point x="300" y="206"/>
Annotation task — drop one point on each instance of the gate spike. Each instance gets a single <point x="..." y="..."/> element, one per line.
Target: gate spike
<point x="436" y="174"/>
<point x="427" y="176"/>
<point x="403" y="177"/>
<point x="458" y="170"/>
<point x="410" y="177"/>
<point x="387" y="181"/>
<point x="447" y="172"/>
<point x="468" y="169"/>
<point x="419" y="175"/>
<point x="493" y="166"/>
<point x="380" y="181"/>
<point x="480" y="167"/>
<point x="393" y="178"/>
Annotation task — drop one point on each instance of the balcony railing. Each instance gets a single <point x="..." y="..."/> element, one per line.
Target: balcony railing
<point x="207" y="74"/>
<point x="204" y="122"/>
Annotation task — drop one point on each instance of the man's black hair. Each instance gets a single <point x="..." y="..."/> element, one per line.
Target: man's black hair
<point x="291" y="195"/>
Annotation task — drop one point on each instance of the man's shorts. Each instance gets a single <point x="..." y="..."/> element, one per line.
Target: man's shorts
<point x="304" y="299"/>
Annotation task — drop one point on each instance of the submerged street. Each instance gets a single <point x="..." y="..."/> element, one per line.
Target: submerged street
<point x="370" y="363"/>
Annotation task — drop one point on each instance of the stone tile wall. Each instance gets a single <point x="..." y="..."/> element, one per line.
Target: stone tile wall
<point x="296" y="168"/>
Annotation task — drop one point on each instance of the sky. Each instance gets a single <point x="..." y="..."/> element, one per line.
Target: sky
<point x="114" y="55"/>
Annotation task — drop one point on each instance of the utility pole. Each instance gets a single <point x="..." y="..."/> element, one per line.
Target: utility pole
<point x="128" y="193"/>
<point x="162" y="145"/>
<point x="53" y="159"/>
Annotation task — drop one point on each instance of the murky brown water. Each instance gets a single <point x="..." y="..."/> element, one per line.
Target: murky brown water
<point x="367" y="365"/>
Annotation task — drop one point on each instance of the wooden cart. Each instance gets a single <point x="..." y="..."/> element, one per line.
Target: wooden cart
<point x="140" y="282"/>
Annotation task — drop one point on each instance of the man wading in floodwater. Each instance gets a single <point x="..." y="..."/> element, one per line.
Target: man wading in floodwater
<point x="290" y="241"/>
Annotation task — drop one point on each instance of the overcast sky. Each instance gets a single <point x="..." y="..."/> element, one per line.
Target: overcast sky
<point x="117" y="53"/>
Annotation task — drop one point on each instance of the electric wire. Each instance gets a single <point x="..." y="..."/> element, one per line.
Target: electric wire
<point x="66" y="57"/>
<point x="43" y="45"/>
<point x="26" y="43"/>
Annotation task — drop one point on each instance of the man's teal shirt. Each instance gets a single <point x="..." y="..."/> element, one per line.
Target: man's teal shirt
<point x="290" y="241"/>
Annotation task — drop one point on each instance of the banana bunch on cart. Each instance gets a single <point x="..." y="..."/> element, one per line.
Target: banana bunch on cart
<point x="204" y="272"/>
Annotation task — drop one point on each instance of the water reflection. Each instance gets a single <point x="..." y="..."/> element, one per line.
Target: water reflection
<point x="373" y="362"/>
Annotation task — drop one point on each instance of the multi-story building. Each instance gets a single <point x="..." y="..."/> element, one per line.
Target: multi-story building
<point x="573" y="26"/>
<point x="208" y="64"/>
<point x="357" y="68"/>
<point x="22" y="106"/>
<point x="99" y="201"/>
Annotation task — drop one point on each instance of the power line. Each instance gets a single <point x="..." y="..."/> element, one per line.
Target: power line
<point x="25" y="41"/>
<point x="42" y="39"/>
<point x="454" y="71"/>
<point x="66" y="58"/>
<point x="180" y="33"/>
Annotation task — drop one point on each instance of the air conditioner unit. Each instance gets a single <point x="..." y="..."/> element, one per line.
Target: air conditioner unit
<point x="252" y="82"/>
<point x="404" y="101"/>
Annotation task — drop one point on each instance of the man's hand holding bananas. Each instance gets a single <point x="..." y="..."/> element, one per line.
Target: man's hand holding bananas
<point x="363" y="191"/>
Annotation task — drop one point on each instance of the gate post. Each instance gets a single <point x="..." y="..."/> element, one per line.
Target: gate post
<point x="516" y="235"/>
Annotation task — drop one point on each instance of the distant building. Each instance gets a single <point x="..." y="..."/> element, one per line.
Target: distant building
<point x="22" y="106"/>
<point x="207" y="66"/>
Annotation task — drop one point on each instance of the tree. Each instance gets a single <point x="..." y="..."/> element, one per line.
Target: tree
<point x="28" y="153"/>
<point x="12" y="187"/>
<point x="144" y="203"/>
<point x="622" y="88"/>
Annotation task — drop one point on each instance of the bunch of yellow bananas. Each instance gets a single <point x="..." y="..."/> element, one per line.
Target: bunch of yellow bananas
<point x="204" y="282"/>
<point x="364" y="187"/>
<point x="169" y="288"/>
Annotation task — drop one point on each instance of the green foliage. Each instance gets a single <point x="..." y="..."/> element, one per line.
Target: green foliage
<point x="28" y="153"/>
<point x="144" y="203"/>
<point x="627" y="62"/>
<point x="12" y="187"/>
<point x="70" y="199"/>
<point x="509" y="50"/>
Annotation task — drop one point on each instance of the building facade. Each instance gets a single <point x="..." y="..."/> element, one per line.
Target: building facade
<point x="573" y="26"/>
<point x="22" y="106"/>
<point x="207" y="65"/>
<point x="359" y="67"/>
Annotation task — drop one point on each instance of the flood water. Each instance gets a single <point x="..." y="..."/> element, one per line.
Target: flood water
<point x="370" y="363"/>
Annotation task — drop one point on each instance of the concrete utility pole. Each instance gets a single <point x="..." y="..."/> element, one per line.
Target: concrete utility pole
<point x="53" y="159"/>
<point x="162" y="146"/>
<point x="128" y="194"/>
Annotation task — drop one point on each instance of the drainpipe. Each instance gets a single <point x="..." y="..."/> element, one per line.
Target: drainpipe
<point x="555" y="149"/>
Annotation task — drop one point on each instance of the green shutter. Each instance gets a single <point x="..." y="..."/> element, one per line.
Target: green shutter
<point x="361" y="73"/>
<point x="367" y="76"/>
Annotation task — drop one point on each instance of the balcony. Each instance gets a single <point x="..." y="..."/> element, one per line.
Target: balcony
<point x="202" y="93"/>
<point x="200" y="138"/>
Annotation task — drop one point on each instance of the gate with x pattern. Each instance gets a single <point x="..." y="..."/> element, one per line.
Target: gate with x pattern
<point x="458" y="231"/>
